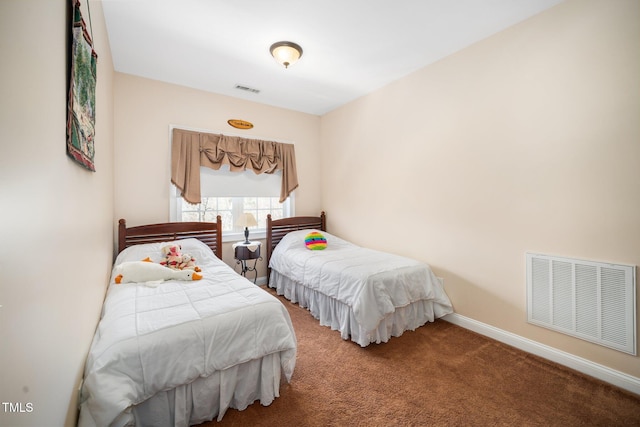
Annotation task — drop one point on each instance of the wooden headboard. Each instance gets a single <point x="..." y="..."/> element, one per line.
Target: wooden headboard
<point x="210" y="233"/>
<point x="278" y="228"/>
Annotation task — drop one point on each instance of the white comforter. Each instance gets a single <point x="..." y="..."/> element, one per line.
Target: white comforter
<point x="372" y="283"/>
<point x="154" y="338"/>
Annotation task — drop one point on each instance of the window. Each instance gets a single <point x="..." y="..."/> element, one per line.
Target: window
<point x="230" y="208"/>
<point x="230" y="194"/>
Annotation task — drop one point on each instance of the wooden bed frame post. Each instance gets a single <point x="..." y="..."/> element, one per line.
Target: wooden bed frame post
<point x="122" y="234"/>
<point x="269" y="239"/>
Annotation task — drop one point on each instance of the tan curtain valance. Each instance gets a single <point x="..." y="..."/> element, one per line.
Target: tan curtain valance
<point x="190" y="150"/>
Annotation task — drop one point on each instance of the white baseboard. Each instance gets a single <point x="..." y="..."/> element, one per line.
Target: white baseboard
<point x="262" y="280"/>
<point x="617" y="378"/>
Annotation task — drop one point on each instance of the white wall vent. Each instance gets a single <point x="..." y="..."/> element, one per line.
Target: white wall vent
<point x="594" y="301"/>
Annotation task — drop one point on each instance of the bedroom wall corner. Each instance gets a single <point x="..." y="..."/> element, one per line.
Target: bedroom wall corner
<point x="57" y="217"/>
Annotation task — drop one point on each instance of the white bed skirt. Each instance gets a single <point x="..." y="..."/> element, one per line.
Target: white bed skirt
<point x="339" y="316"/>
<point x="236" y="387"/>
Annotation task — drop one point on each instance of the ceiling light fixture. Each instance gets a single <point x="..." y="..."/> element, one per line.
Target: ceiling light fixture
<point x="286" y="53"/>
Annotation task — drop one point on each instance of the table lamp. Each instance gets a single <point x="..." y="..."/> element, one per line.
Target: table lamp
<point x="246" y="220"/>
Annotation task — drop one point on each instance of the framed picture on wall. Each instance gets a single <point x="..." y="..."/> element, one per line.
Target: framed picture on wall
<point x="81" y="105"/>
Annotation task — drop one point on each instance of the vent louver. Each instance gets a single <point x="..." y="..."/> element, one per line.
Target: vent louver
<point x="247" y="89"/>
<point x="594" y="301"/>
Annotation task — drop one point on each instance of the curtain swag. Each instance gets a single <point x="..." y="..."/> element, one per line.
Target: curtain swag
<point x="190" y="150"/>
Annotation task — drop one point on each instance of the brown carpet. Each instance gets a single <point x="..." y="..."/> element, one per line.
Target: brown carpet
<point x="438" y="375"/>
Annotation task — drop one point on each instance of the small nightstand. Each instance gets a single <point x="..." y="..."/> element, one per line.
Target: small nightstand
<point x="244" y="252"/>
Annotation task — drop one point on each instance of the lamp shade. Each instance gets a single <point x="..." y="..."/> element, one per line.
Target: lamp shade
<point x="286" y="53"/>
<point x="247" y="220"/>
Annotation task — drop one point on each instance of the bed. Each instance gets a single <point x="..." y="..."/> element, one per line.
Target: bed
<point x="178" y="353"/>
<point x="367" y="295"/>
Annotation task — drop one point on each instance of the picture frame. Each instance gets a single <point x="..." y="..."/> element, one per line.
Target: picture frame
<point x="82" y="92"/>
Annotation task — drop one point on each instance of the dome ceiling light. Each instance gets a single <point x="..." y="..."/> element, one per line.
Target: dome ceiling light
<point x="286" y="53"/>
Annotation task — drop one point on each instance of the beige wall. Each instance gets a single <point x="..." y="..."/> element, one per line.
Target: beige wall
<point x="526" y="141"/>
<point x="56" y="216"/>
<point x="144" y="110"/>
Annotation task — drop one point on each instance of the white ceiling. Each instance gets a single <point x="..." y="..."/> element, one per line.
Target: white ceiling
<point x="351" y="47"/>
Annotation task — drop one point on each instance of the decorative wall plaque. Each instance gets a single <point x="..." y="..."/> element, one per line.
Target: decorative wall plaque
<point x="240" y="124"/>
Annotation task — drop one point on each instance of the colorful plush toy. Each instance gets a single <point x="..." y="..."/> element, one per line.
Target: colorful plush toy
<point x="145" y="271"/>
<point x="315" y="241"/>
<point x="172" y="256"/>
<point x="188" y="263"/>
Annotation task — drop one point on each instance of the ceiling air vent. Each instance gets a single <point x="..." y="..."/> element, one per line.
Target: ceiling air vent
<point x="247" y="89"/>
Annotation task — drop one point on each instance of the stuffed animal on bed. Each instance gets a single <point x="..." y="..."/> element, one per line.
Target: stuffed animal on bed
<point x="172" y="256"/>
<point x="145" y="271"/>
<point x="188" y="263"/>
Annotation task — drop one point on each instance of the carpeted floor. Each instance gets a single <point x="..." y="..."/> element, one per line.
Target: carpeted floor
<point x="438" y="375"/>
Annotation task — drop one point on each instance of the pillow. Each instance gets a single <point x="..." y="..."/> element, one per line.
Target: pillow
<point x="315" y="241"/>
<point x="194" y="247"/>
